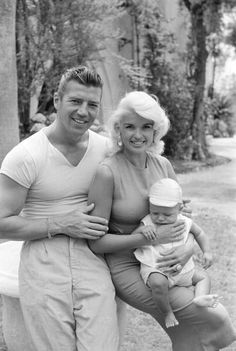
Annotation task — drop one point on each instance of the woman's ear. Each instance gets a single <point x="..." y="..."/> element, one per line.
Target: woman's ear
<point x="154" y="135"/>
<point x="117" y="128"/>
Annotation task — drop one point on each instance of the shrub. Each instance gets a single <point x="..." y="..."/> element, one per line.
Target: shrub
<point x="218" y="116"/>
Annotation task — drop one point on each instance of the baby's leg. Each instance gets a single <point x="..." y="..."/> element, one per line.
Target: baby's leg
<point x="202" y="283"/>
<point x="159" y="286"/>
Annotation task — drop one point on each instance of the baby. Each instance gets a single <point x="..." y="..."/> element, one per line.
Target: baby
<point x="165" y="201"/>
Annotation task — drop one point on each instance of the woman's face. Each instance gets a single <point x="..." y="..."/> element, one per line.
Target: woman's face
<point x="136" y="133"/>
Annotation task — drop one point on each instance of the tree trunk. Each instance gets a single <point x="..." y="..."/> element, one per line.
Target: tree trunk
<point x="9" y="124"/>
<point x="199" y="39"/>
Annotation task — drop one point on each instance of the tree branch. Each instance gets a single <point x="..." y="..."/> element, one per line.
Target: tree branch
<point x="187" y="4"/>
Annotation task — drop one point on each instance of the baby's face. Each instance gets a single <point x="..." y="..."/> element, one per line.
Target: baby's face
<point x="163" y="215"/>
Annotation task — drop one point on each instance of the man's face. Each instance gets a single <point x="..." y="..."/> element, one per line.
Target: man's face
<point x="78" y="107"/>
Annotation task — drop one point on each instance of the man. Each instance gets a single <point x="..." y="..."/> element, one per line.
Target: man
<point x="66" y="293"/>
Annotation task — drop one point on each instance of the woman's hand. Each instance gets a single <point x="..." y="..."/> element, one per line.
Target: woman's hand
<point x="167" y="233"/>
<point x="186" y="210"/>
<point x="175" y="259"/>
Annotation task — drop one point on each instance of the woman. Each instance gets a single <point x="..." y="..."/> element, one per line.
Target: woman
<point x="120" y="194"/>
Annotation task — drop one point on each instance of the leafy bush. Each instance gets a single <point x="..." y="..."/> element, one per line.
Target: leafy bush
<point x="175" y="95"/>
<point x="218" y="116"/>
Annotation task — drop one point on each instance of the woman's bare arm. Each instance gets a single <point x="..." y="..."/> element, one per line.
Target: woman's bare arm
<point x="101" y="195"/>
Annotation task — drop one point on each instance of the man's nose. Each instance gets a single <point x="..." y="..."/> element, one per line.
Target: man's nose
<point x="83" y="109"/>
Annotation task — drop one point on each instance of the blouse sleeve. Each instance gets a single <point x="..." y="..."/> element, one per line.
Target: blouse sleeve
<point x="169" y="168"/>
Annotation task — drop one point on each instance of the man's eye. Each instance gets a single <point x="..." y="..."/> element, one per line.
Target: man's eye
<point x="94" y="106"/>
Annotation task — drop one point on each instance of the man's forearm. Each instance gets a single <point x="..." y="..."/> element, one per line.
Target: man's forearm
<point x="20" y="228"/>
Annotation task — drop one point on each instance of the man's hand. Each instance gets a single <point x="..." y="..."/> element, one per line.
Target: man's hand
<point x="79" y="224"/>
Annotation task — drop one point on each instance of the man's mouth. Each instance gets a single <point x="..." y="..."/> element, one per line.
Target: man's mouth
<point x="79" y="121"/>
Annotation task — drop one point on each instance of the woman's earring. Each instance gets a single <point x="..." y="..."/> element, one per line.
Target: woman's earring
<point x="154" y="137"/>
<point x="119" y="141"/>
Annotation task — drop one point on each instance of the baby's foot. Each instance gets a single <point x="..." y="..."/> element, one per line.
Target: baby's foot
<point x="170" y="320"/>
<point x="207" y="300"/>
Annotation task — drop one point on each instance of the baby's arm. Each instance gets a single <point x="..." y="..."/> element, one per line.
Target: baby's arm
<point x="148" y="231"/>
<point x="204" y="244"/>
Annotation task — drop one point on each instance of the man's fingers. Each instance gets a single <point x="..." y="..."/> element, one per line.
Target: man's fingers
<point x="95" y="219"/>
<point x="88" y="208"/>
<point x="93" y="234"/>
<point x="97" y="227"/>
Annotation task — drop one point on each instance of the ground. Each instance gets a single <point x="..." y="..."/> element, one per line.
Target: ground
<point x="212" y="191"/>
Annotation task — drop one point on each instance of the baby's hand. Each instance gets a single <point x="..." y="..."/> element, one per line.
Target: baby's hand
<point x="149" y="232"/>
<point x="207" y="259"/>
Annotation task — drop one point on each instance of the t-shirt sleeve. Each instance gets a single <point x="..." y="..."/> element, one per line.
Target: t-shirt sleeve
<point x="19" y="166"/>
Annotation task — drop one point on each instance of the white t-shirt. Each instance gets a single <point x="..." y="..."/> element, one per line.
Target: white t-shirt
<point x="55" y="187"/>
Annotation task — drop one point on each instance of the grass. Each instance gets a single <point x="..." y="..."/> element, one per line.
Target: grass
<point x="143" y="334"/>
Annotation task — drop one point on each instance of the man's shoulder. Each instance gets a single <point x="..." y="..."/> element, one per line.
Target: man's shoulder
<point x="36" y="138"/>
<point x="98" y="137"/>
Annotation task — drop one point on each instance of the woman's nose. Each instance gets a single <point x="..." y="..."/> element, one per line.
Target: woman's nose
<point x="138" y="133"/>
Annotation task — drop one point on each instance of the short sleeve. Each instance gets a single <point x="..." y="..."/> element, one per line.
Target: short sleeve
<point x="170" y="170"/>
<point x="19" y="166"/>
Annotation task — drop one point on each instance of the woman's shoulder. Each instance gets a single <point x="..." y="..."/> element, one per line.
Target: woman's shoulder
<point x="113" y="160"/>
<point x="158" y="159"/>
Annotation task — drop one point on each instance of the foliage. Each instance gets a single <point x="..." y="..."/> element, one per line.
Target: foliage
<point x="218" y="116"/>
<point x="175" y="95"/>
<point x="155" y="72"/>
<point x="53" y="35"/>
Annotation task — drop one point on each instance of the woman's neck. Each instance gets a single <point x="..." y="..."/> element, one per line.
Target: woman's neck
<point x="138" y="160"/>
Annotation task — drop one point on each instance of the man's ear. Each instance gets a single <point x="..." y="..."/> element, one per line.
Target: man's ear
<point x="56" y="100"/>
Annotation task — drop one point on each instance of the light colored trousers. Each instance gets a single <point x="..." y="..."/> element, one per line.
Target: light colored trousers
<point x="67" y="297"/>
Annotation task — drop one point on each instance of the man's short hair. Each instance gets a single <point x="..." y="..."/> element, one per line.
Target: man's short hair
<point x="81" y="74"/>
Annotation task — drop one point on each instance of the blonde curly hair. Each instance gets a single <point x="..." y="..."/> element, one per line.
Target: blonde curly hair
<point x="146" y="106"/>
